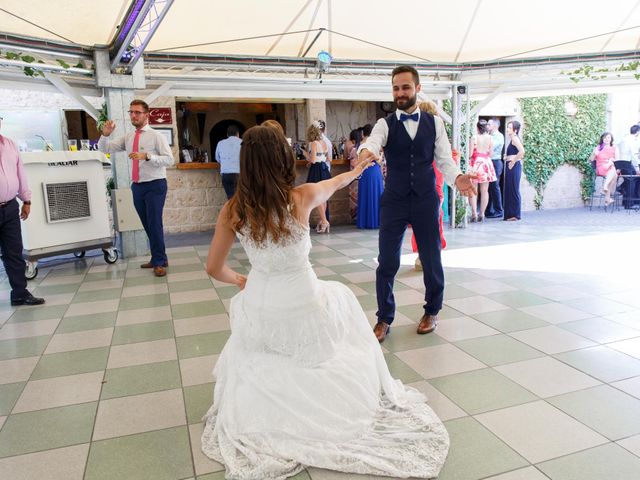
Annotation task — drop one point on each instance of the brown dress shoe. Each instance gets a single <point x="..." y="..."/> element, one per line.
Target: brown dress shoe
<point x="150" y="265"/>
<point x="159" y="271"/>
<point x="380" y="331"/>
<point x="428" y="324"/>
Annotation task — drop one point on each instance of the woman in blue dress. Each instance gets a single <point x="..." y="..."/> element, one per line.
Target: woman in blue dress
<point x="370" y="188"/>
<point x="513" y="173"/>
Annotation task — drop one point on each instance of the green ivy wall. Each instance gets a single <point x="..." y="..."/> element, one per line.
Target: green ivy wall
<point x="552" y="139"/>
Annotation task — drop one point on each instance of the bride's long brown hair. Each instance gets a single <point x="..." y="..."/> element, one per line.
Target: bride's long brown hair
<point x="263" y="194"/>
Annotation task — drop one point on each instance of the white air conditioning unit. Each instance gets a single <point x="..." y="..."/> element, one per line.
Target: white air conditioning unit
<point x="69" y="209"/>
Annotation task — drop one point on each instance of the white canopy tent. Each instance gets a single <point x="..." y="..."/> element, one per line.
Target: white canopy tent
<point x="268" y="49"/>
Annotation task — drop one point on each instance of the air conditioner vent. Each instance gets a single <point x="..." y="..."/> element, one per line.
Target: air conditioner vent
<point x="66" y="201"/>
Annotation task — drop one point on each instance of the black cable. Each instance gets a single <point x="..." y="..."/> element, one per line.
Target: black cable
<point x="232" y="40"/>
<point x="567" y="43"/>
<point x="380" y="46"/>
<point x="37" y="26"/>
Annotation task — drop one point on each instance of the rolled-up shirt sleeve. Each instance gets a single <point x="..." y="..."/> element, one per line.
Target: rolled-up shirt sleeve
<point x="108" y="145"/>
<point x="442" y="154"/>
<point x="378" y="138"/>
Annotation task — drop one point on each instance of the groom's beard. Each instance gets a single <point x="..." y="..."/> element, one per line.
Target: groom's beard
<point x="406" y="104"/>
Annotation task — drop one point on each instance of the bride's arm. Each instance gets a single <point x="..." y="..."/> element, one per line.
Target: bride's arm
<point x="221" y="244"/>
<point x="314" y="194"/>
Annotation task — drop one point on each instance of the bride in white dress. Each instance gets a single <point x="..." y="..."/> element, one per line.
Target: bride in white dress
<point x="302" y="381"/>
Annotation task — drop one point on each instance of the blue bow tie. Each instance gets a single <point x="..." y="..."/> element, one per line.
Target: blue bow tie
<point x="404" y="116"/>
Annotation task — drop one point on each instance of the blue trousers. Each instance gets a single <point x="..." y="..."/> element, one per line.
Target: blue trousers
<point x="396" y="213"/>
<point x="495" y="195"/>
<point x="11" y="245"/>
<point x="148" y="199"/>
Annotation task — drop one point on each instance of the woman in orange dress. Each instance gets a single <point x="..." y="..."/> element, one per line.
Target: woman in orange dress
<point x="605" y="154"/>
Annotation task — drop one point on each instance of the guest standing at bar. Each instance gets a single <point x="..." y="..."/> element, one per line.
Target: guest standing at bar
<point x="228" y="156"/>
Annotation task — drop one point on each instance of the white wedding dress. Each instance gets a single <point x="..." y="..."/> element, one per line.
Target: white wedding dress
<point x="302" y="381"/>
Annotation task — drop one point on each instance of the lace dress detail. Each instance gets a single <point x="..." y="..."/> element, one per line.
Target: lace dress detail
<point x="302" y="381"/>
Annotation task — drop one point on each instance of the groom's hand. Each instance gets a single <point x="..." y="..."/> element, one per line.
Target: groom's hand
<point x="464" y="184"/>
<point x="368" y="155"/>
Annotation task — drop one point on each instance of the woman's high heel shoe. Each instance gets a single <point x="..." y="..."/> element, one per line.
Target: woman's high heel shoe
<point x="323" y="227"/>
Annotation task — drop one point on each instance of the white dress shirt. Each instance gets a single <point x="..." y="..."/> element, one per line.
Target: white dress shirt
<point x="151" y="142"/>
<point x="329" y="145"/>
<point x="442" y="151"/>
<point x="228" y="154"/>
<point x="629" y="149"/>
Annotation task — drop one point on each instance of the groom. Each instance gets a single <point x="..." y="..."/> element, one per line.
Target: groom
<point x="413" y="143"/>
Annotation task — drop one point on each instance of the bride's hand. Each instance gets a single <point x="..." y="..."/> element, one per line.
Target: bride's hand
<point x="241" y="281"/>
<point x="363" y="165"/>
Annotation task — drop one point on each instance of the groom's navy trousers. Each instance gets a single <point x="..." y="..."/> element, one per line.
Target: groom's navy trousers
<point x="409" y="198"/>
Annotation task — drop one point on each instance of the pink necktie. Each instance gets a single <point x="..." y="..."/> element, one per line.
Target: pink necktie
<point x="135" y="167"/>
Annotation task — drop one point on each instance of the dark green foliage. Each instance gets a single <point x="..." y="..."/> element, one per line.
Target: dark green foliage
<point x="552" y="139"/>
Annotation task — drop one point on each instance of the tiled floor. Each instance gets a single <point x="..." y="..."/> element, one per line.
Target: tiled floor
<point x="535" y="367"/>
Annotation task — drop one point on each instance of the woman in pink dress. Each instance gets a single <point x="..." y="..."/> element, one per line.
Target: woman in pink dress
<point x="604" y="155"/>
<point x="481" y="164"/>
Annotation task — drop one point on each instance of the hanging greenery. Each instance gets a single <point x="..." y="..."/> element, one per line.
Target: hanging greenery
<point x="592" y="73"/>
<point x="551" y="138"/>
<point x="35" y="71"/>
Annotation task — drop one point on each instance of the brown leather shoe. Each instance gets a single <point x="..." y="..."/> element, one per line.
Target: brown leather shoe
<point x="150" y="265"/>
<point x="428" y="324"/>
<point x="380" y="331"/>
<point x="159" y="271"/>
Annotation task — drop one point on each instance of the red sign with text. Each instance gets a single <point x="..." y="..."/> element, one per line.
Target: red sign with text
<point x="160" y="116"/>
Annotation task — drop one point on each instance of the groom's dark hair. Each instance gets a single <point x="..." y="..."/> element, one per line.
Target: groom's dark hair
<point x="406" y="69"/>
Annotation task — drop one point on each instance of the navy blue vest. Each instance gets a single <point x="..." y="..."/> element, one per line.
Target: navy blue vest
<point x="410" y="162"/>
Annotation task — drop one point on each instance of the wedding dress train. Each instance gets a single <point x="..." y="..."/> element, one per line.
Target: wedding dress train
<point x="302" y="381"/>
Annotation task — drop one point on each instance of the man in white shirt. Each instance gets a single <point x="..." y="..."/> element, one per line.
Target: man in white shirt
<point x="413" y="143"/>
<point x="150" y="156"/>
<point x="629" y="150"/>
<point x="228" y="156"/>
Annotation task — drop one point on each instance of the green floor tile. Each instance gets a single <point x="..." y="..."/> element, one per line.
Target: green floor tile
<point x="38" y="313"/>
<point x="144" y="301"/>
<point x="370" y="287"/>
<point x="203" y="344"/>
<point x="176" y="255"/>
<point x="191" y="285"/>
<point x="349" y="268"/>
<point x="143" y="281"/>
<point x="518" y="298"/>
<point x="401" y="370"/>
<point x="71" y="363"/>
<point x="9" y="394"/>
<point x="197" y="309"/>
<point x="152" y="377"/>
<point x="23" y="347"/>
<point x="453" y="291"/>
<point x="198" y="399"/>
<point x="414" y="312"/>
<point x="604" y="462"/>
<point x="158" y="455"/>
<point x="110" y="275"/>
<point x="498" y="349"/>
<point x="47" y="429"/>
<point x="405" y="337"/>
<point x="142" y="332"/>
<point x="606" y="410"/>
<point x="189" y="267"/>
<point x="227" y="292"/>
<point x="510" y="320"/>
<point x="603" y="363"/>
<point x="482" y="390"/>
<point x="87" y="322"/>
<point x="476" y="453"/>
<point x="97" y="295"/>
<point x="44" y="291"/>
<point x="212" y="476"/>
<point x="367" y="302"/>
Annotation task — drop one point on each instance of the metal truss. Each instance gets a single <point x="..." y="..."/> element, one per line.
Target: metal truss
<point x="140" y="23"/>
